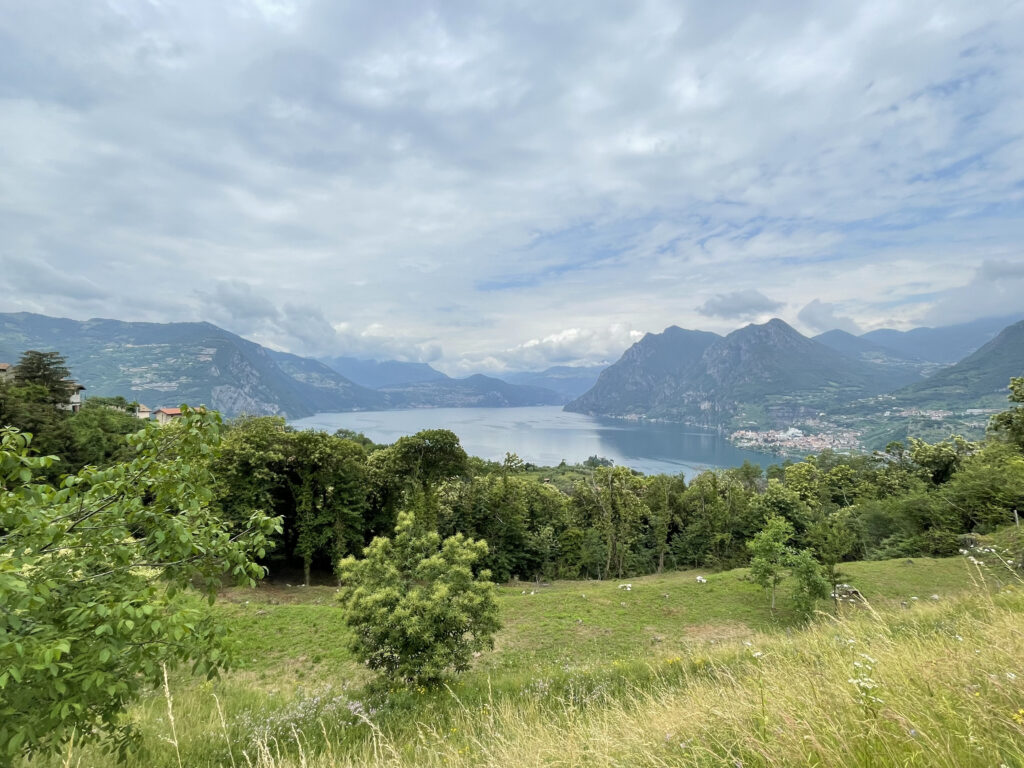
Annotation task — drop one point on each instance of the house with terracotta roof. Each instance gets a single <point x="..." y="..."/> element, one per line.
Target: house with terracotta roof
<point x="165" y="415"/>
<point x="6" y="372"/>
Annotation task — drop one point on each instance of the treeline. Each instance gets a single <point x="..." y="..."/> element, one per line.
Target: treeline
<point x="33" y="399"/>
<point x="336" y="492"/>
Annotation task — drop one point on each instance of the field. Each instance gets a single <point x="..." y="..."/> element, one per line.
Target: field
<point x="667" y="672"/>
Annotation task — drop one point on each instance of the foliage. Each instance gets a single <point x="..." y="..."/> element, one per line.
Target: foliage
<point x="1009" y="424"/>
<point x="769" y="550"/>
<point x="416" y="610"/>
<point x="91" y="574"/>
<point x="44" y="369"/>
<point x="811" y="583"/>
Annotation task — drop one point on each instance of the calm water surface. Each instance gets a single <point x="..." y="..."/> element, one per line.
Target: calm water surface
<point x="546" y="434"/>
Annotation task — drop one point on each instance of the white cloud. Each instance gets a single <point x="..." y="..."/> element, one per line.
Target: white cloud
<point x="500" y="185"/>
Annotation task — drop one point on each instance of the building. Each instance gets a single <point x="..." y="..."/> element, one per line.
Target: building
<point x="165" y="415"/>
<point x="6" y="372"/>
<point x="143" y="412"/>
<point x="74" y="403"/>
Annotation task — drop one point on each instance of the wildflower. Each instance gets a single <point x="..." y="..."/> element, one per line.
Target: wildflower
<point x="758" y="654"/>
<point x="1018" y="717"/>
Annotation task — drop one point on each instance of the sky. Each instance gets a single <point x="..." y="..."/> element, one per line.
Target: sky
<point x="510" y="185"/>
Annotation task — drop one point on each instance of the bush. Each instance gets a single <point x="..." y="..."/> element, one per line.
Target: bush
<point x="416" y="610"/>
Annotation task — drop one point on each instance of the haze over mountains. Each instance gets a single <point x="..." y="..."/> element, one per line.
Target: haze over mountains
<point x="764" y="374"/>
<point x="771" y="375"/>
<point x="200" y="363"/>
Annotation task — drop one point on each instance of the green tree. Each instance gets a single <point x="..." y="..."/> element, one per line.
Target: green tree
<point x="1009" y="425"/>
<point x="91" y="580"/>
<point x="416" y="610"/>
<point x="811" y="584"/>
<point x="769" y="550"/>
<point x="47" y="370"/>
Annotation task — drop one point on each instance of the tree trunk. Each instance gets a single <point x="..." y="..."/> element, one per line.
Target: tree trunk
<point x="305" y="565"/>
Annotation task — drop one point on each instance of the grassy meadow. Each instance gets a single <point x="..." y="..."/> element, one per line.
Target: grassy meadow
<point x="669" y="672"/>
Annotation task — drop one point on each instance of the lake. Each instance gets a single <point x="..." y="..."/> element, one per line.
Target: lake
<point x="546" y="435"/>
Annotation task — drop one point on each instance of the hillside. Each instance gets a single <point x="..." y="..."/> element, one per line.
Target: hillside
<point x="864" y="350"/>
<point x="197" y="363"/>
<point x="945" y="344"/>
<point x="476" y="391"/>
<point x="567" y="380"/>
<point x="376" y="374"/>
<point x="670" y="673"/>
<point x="647" y="373"/>
<point x="762" y="374"/>
<point x="978" y="380"/>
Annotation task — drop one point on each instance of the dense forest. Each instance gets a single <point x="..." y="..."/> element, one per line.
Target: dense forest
<point x="335" y="492"/>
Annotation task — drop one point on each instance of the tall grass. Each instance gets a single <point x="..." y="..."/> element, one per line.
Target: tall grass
<point x="938" y="684"/>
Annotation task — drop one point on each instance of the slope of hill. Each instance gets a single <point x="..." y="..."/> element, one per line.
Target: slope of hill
<point x="946" y="344"/>
<point x="645" y="374"/>
<point x="761" y="374"/>
<point x="978" y="380"/>
<point x="384" y="373"/>
<point x="472" y="392"/>
<point x="860" y="348"/>
<point x="196" y="363"/>
<point x="567" y="380"/>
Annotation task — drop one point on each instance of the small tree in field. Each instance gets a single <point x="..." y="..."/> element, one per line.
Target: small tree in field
<point x="770" y="551"/>
<point x="416" y="610"/>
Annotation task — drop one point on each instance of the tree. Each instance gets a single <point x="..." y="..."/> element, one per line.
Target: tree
<point x="327" y="479"/>
<point x="47" y="370"/>
<point x="91" y="580"/>
<point x="811" y="584"/>
<point x="769" y="551"/>
<point x="833" y="538"/>
<point x="1009" y="424"/>
<point x="416" y="610"/>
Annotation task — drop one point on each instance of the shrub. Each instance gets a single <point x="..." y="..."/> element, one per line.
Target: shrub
<point x="416" y="610"/>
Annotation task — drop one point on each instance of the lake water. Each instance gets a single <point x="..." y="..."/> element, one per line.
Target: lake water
<point x="546" y="434"/>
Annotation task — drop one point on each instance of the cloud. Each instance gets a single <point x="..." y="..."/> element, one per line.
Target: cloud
<point x="337" y="177"/>
<point x="739" y="305"/>
<point x="820" y="316"/>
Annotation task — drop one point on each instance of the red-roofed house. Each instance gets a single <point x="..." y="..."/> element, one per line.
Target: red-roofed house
<point x="164" y="415"/>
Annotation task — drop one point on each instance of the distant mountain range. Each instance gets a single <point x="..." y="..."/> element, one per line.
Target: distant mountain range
<point x="979" y="380"/>
<point x="199" y="363"/>
<point x="947" y="344"/>
<point x="567" y="380"/>
<point x="771" y="374"/>
<point x="761" y="375"/>
<point x="379" y="374"/>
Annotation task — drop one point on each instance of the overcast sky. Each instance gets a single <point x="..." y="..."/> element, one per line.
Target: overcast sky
<point x="510" y="185"/>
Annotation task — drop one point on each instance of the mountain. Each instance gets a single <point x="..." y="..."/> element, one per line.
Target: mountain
<point x="979" y="380"/>
<point x="196" y="363"/>
<point x="472" y="392"/>
<point x="947" y="344"/>
<point x="646" y="374"/>
<point x="567" y="380"/>
<point x="764" y="374"/>
<point x="379" y="374"/>
<point x="860" y="348"/>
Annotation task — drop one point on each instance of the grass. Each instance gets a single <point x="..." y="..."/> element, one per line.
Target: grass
<point x="670" y="672"/>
